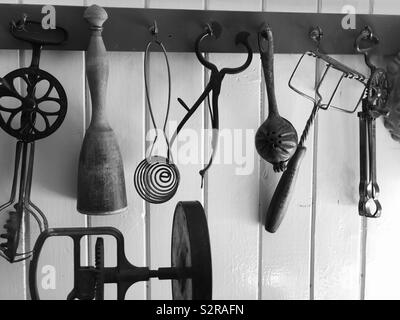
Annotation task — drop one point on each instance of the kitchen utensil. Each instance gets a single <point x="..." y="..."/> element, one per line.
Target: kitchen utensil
<point x="156" y="178"/>
<point x="191" y="270"/>
<point x="374" y="105"/>
<point x="30" y="120"/>
<point x="284" y="190"/>
<point x="213" y="86"/>
<point x="276" y="138"/>
<point x="101" y="180"/>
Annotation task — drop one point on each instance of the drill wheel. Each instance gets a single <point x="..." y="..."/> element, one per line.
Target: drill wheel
<point x="191" y="251"/>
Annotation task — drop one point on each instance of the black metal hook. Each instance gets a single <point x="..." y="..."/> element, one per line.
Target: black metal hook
<point x="367" y="35"/>
<point x="154" y="29"/>
<point x="316" y="34"/>
<point x="20" y="24"/>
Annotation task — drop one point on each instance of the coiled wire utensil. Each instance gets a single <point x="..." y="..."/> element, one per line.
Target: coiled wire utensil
<point x="156" y="177"/>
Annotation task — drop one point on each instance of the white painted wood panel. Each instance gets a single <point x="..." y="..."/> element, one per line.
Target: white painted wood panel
<point x="285" y="255"/>
<point x="187" y="83"/>
<point x="337" y="264"/>
<point x="233" y="185"/>
<point x="291" y="5"/>
<point x="337" y="224"/>
<point x="382" y="259"/>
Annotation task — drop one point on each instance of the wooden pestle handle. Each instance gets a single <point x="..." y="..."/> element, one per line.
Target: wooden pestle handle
<point x="97" y="67"/>
<point x="283" y="192"/>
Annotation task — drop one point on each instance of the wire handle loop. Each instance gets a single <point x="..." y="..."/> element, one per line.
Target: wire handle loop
<point x="155" y="41"/>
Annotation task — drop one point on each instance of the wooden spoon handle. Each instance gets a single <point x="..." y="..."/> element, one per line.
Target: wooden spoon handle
<point x="284" y="192"/>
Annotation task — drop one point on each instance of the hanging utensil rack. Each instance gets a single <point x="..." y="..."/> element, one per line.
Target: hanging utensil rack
<point x="180" y="27"/>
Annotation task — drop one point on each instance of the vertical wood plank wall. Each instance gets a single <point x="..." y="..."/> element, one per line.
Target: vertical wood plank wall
<point x="337" y="254"/>
<point x="323" y="249"/>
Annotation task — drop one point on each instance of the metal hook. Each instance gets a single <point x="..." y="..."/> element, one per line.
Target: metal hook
<point x="208" y="28"/>
<point x="213" y="29"/>
<point x="20" y="24"/>
<point x="154" y="29"/>
<point x="316" y="35"/>
<point x="367" y="35"/>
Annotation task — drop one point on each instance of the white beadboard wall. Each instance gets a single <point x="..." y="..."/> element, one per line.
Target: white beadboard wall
<point x="323" y="249"/>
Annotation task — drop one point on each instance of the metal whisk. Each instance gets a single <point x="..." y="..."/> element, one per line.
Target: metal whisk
<point x="21" y="123"/>
<point x="23" y="170"/>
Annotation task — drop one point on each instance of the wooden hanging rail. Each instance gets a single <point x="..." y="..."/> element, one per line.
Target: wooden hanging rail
<point x="127" y="29"/>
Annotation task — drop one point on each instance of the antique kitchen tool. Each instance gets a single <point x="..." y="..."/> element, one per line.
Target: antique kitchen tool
<point x="101" y="181"/>
<point x="276" y="138"/>
<point x="157" y="178"/>
<point x="30" y="119"/>
<point x="191" y="270"/>
<point x="284" y="190"/>
<point x="213" y="86"/>
<point x="374" y="105"/>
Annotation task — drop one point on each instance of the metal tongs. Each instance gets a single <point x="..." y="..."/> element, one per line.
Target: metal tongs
<point x="373" y="106"/>
<point x="213" y="87"/>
